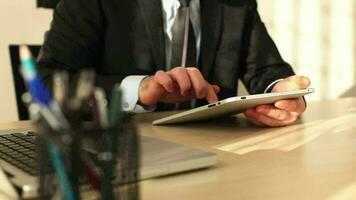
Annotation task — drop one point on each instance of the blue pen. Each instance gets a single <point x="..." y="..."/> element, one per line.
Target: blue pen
<point x="37" y="89"/>
<point x="28" y="69"/>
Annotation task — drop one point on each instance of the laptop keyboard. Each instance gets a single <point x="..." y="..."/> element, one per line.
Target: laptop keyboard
<point x="19" y="149"/>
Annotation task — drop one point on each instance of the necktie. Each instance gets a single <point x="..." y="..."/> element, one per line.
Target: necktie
<point x="183" y="38"/>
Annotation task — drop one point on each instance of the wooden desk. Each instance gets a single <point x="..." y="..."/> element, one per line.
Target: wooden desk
<point x="313" y="159"/>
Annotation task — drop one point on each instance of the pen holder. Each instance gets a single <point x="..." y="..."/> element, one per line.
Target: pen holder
<point x="98" y="163"/>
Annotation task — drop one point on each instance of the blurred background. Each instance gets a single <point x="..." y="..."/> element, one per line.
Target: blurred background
<point x="317" y="37"/>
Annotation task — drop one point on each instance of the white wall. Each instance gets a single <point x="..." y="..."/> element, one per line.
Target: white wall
<point x="20" y="22"/>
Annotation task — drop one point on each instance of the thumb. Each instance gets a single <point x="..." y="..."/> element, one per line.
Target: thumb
<point x="216" y="88"/>
<point x="292" y="83"/>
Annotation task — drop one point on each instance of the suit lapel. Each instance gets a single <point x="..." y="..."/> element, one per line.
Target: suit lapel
<point x="152" y="15"/>
<point x="211" y="23"/>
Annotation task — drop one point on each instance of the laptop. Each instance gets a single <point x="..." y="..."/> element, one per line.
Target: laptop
<point x="158" y="158"/>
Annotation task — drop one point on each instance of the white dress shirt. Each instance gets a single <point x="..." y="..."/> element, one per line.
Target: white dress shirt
<point x="130" y="85"/>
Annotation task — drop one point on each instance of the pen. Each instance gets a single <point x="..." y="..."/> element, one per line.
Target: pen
<point x="55" y="155"/>
<point x="34" y="111"/>
<point x="101" y="106"/>
<point x="107" y="155"/>
<point x="106" y="158"/>
<point x="28" y="70"/>
<point x="91" y="172"/>
<point x="37" y="89"/>
<point x="115" y="110"/>
<point x="49" y="118"/>
<point x="84" y="88"/>
<point x="85" y="83"/>
<point x="60" y="86"/>
<point x="61" y="172"/>
<point x="110" y="141"/>
<point x="100" y="114"/>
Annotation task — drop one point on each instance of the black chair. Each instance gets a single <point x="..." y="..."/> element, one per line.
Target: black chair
<point x="18" y="81"/>
<point x="47" y="3"/>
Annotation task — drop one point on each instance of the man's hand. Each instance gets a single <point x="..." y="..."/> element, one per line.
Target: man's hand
<point x="175" y="86"/>
<point x="283" y="112"/>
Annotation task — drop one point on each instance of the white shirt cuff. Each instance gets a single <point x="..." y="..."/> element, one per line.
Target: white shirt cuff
<point x="130" y="90"/>
<point x="269" y="87"/>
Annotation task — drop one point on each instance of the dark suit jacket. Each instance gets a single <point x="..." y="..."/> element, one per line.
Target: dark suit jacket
<point x="125" y="37"/>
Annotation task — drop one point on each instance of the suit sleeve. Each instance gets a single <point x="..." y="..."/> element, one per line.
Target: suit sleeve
<point x="75" y="41"/>
<point x="263" y="63"/>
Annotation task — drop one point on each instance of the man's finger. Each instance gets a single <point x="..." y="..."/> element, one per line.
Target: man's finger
<point x="165" y="81"/>
<point x="301" y="82"/>
<point x="273" y="112"/>
<point x="150" y="90"/>
<point x="291" y="105"/>
<point x="211" y="96"/>
<point x="250" y="115"/>
<point x="216" y="89"/>
<point x="180" y="75"/>
<point x="261" y="118"/>
<point x="198" y="82"/>
<point x="292" y="83"/>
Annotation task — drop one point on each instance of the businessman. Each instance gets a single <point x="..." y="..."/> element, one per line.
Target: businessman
<point x="140" y="43"/>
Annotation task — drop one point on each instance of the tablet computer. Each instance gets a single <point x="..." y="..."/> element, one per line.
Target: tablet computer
<point x="229" y="106"/>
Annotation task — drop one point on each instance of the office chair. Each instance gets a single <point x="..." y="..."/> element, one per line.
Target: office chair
<point x="18" y="81"/>
<point x="47" y="3"/>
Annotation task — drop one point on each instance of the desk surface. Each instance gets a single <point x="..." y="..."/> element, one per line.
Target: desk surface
<point x="313" y="159"/>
